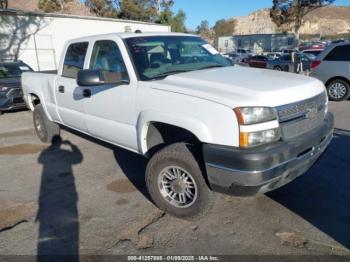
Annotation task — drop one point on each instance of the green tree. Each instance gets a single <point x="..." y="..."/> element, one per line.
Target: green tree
<point x="140" y="10"/>
<point x="104" y="8"/>
<point x="224" y="27"/>
<point x="203" y="28"/>
<point x="289" y="14"/>
<point x="178" y="22"/>
<point x="204" y="31"/>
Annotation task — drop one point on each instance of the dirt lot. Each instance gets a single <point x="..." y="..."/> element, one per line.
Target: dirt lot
<point x="90" y="198"/>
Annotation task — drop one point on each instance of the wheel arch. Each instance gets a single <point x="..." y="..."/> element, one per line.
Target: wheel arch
<point x="155" y="129"/>
<point x="337" y="77"/>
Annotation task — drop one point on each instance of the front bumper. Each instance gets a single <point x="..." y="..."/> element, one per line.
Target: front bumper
<point x="247" y="172"/>
<point x="11" y="101"/>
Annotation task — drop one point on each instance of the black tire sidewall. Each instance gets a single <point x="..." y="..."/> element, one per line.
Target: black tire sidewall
<point x="184" y="159"/>
<point x="39" y="112"/>
<point x="346" y="84"/>
<point x="50" y="129"/>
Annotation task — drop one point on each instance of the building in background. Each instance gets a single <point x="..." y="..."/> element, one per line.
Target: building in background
<point x="257" y="43"/>
<point x="38" y="38"/>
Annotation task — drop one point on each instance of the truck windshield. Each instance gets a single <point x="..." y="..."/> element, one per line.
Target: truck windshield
<point x="160" y="56"/>
<point x="13" y="70"/>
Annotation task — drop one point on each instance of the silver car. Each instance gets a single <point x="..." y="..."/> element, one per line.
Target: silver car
<point x="333" y="68"/>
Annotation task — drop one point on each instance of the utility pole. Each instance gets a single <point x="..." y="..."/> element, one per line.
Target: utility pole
<point x="159" y="4"/>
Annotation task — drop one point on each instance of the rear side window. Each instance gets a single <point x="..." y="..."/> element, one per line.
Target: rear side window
<point x="74" y="60"/>
<point x="339" y="53"/>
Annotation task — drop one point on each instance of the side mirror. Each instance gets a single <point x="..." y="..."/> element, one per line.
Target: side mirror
<point x="90" y="77"/>
<point x="97" y="77"/>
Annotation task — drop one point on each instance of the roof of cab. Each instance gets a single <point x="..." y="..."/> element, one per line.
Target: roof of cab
<point x="129" y="35"/>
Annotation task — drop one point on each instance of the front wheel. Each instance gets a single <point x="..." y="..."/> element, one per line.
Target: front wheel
<point x="176" y="183"/>
<point x="338" y="90"/>
<point x="45" y="129"/>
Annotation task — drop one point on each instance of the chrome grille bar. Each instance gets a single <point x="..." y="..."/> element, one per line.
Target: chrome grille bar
<point x="301" y="109"/>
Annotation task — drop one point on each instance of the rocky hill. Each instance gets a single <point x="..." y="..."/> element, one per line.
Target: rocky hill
<point x="329" y="20"/>
<point x="73" y="7"/>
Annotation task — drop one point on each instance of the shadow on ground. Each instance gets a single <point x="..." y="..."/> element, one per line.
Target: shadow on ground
<point x="133" y="165"/>
<point x="322" y="196"/>
<point x="58" y="210"/>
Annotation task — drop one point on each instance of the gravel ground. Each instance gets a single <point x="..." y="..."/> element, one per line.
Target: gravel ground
<point x="88" y="197"/>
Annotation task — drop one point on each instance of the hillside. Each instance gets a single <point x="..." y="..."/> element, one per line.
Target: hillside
<point x="329" y="20"/>
<point x="73" y="8"/>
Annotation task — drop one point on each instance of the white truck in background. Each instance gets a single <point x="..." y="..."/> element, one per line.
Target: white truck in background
<point x="206" y="126"/>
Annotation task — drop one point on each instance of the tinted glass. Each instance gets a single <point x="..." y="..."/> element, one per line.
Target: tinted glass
<point x="13" y="70"/>
<point x="158" y="57"/>
<point x="286" y="58"/>
<point x="339" y="53"/>
<point x="74" y="60"/>
<point x="315" y="53"/>
<point x="106" y="56"/>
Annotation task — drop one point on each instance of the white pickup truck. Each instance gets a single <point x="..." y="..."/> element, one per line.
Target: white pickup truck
<point x="205" y="125"/>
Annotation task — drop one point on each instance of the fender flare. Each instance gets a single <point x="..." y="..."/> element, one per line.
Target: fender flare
<point x="196" y="127"/>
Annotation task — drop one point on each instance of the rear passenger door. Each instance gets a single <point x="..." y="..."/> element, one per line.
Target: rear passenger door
<point x="68" y="94"/>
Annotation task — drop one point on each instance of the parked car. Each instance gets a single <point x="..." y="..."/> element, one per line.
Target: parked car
<point x="273" y="55"/>
<point x="240" y="55"/>
<point x="284" y="63"/>
<point x="314" y="52"/>
<point x="333" y="68"/>
<point x="258" y="61"/>
<point x="204" y="125"/>
<point x="11" y="95"/>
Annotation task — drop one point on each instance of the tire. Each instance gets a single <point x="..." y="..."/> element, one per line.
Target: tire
<point x="1" y="113"/>
<point x="45" y="129"/>
<point x="338" y="90"/>
<point x="277" y="68"/>
<point x="177" y="162"/>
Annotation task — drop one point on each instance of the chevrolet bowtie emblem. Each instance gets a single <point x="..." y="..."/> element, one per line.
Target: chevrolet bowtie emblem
<point x="312" y="112"/>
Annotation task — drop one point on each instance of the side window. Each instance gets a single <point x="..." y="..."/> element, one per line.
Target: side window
<point x="339" y="53"/>
<point x="74" y="60"/>
<point x="106" y="56"/>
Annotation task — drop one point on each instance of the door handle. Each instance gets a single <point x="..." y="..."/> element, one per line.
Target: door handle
<point x="61" y="89"/>
<point x="87" y="93"/>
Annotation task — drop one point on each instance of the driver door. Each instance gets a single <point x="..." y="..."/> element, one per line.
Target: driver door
<point x="109" y="110"/>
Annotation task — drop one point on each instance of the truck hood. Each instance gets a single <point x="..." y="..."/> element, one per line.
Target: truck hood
<point x="242" y="86"/>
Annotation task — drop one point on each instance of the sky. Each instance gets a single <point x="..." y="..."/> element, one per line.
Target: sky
<point x="213" y="10"/>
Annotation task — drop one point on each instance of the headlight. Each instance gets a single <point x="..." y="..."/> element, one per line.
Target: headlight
<point x="4" y="88"/>
<point x="248" y="117"/>
<point x="259" y="137"/>
<point x="255" y="115"/>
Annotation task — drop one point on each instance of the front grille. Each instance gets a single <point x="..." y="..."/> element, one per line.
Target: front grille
<point x="18" y="100"/>
<point x="15" y="92"/>
<point x="299" y="118"/>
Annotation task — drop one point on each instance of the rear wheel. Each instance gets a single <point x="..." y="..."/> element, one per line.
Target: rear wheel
<point x="338" y="90"/>
<point x="45" y="129"/>
<point x="277" y="68"/>
<point x="176" y="183"/>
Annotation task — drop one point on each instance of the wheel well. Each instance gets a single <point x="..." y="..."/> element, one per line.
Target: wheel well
<point x="337" y="77"/>
<point x="33" y="101"/>
<point x="161" y="134"/>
